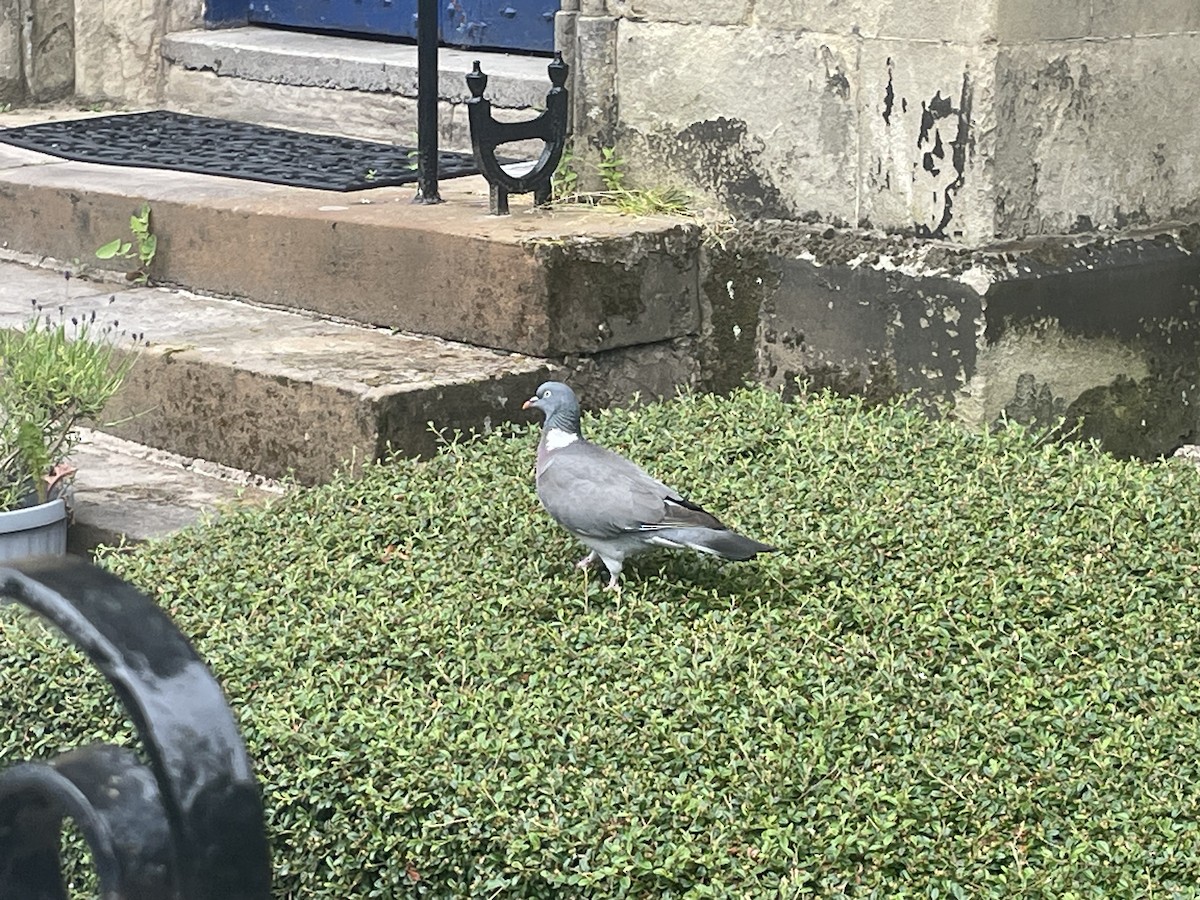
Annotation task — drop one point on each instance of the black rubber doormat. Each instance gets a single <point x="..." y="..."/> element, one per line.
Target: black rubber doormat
<point x="167" y="140"/>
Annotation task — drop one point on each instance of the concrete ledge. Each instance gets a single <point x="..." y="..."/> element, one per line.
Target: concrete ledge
<point x="339" y="85"/>
<point x="126" y="492"/>
<point x="273" y="392"/>
<point x="540" y="282"/>
<point x="347" y="64"/>
<point x="1070" y="328"/>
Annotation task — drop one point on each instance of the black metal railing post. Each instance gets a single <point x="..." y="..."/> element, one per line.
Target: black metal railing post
<point x="427" y="102"/>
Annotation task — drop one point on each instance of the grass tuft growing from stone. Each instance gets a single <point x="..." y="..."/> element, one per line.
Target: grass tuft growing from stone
<point x="970" y="671"/>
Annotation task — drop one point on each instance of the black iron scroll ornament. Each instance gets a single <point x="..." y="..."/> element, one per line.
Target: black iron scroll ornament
<point x="487" y="134"/>
<point x="189" y="826"/>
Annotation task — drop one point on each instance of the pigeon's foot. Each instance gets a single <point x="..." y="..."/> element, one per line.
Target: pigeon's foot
<point x="586" y="562"/>
<point x="613" y="584"/>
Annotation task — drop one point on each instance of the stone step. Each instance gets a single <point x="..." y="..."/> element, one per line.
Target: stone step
<point x="127" y="493"/>
<point x="339" y="85"/>
<point x="275" y="392"/>
<point x="567" y="280"/>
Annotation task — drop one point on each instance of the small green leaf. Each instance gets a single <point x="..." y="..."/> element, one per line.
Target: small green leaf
<point x="113" y="248"/>
<point x="147" y="247"/>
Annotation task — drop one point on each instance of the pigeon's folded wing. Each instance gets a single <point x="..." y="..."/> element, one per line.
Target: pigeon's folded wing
<point x="594" y="492"/>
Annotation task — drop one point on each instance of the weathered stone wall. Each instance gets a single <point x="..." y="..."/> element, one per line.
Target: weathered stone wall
<point x="37" y="50"/>
<point x="1099" y="329"/>
<point x="117" y="46"/>
<point x="1098" y="133"/>
<point x="98" y="50"/>
<point x="955" y="198"/>
<point x="970" y="121"/>
<point x="12" y="79"/>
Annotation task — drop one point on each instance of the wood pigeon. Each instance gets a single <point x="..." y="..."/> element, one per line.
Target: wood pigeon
<point x="612" y="506"/>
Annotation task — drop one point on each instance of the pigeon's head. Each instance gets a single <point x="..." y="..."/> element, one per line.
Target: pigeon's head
<point x="558" y="404"/>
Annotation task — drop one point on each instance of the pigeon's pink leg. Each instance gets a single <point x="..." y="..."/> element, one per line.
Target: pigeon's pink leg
<point x="586" y="562"/>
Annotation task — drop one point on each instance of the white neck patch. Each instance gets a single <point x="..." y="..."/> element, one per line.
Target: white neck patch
<point x="556" y="438"/>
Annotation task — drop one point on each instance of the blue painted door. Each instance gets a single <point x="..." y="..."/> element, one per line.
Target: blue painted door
<point x="503" y="24"/>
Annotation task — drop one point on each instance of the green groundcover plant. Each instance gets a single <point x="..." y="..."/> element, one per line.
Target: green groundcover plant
<point x="970" y="671"/>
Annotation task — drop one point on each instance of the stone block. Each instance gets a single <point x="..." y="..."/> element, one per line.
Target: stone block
<point x="932" y="20"/>
<point x="117" y="46"/>
<point x="774" y="134"/>
<point x="51" y="64"/>
<point x="593" y="98"/>
<point x="1103" y="331"/>
<point x="868" y="329"/>
<point x="1036" y="20"/>
<point x="12" y="75"/>
<point x="349" y="66"/>
<point x="698" y="12"/>
<point x="924" y="111"/>
<point x="542" y="283"/>
<point x="274" y="392"/>
<point x="126" y="492"/>
<point x="1083" y="142"/>
<point x="629" y="290"/>
<point x="364" y="115"/>
<point x="1119" y="18"/>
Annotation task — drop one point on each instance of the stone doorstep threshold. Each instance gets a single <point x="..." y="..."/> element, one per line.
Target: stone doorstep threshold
<point x="124" y="492"/>
<point x="343" y="63"/>
<point x="237" y="479"/>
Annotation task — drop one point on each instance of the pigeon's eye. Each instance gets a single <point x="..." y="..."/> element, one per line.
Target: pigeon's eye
<point x="545" y="395"/>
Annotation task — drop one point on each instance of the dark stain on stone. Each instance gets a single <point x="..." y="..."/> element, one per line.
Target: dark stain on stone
<point x="937" y="108"/>
<point x="1132" y="219"/>
<point x="1057" y="74"/>
<point x="738" y="284"/>
<point x="889" y="96"/>
<point x="932" y="161"/>
<point x="725" y="160"/>
<point x="836" y="81"/>
<point x="1137" y="419"/>
<point x="1083" y="224"/>
<point x="1033" y="403"/>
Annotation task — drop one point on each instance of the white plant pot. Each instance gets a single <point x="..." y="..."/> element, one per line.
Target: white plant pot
<point x="35" y="531"/>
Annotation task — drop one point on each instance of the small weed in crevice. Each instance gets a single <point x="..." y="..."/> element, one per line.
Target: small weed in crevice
<point x="616" y="194"/>
<point x="143" y="247"/>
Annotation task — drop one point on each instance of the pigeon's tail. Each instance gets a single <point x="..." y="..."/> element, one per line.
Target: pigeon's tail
<point x="715" y="541"/>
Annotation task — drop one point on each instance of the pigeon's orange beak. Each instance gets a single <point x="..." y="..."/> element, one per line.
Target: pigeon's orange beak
<point x="530" y="403"/>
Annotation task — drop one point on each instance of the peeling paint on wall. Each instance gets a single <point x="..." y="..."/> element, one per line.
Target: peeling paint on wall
<point x="941" y="164"/>
<point x="921" y="147"/>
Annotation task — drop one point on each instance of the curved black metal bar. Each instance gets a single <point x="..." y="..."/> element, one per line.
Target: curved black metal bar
<point x="487" y="134"/>
<point x="209" y="801"/>
<point x="115" y="802"/>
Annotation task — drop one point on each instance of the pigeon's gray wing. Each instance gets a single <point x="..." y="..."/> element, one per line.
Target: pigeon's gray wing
<point x="594" y="492"/>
